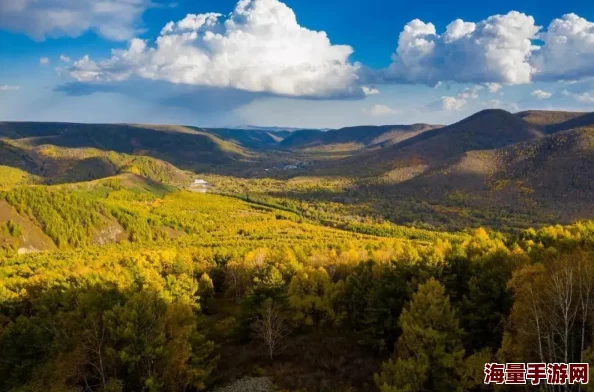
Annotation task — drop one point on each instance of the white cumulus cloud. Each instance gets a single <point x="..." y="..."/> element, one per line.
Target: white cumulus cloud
<point x="494" y="50"/>
<point x="44" y="60"/>
<point x="39" y="19"/>
<point x="65" y="59"/>
<point x="502" y="49"/>
<point x="259" y="47"/>
<point x="568" y="50"/>
<point x="470" y="92"/>
<point x="541" y="94"/>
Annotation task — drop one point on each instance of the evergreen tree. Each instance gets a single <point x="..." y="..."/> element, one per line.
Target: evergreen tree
<point x="429" y="353"/>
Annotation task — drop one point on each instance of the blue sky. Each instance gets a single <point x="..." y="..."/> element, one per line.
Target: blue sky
<point x="299" y="63"/>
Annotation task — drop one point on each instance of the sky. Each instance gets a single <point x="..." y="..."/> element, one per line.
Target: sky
<point x="293" y="63"/>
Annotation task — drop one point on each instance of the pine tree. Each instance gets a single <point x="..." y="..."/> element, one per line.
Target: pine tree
<point x="429" y="353"/>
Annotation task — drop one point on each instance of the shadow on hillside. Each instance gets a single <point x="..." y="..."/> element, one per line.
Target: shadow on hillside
<point x="51" y="170"/>
<point x="452" y="203"/>
<point x="186" y="150"/>
<point x="55" y="170"/>
<point x="585" y="120"/>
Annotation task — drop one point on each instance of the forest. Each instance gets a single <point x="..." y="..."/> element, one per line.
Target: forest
<point x="215" y="292"/>
<point x="391" y="259"/>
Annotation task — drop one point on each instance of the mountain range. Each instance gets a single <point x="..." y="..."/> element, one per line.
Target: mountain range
<point x="532" y="162"/>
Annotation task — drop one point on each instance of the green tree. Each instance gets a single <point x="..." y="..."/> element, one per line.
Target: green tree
<point x="308" y="296"/>
<point x="429" y="353"/>
<point x="206" y="292"/>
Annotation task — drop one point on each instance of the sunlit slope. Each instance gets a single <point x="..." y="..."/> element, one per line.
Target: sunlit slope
<point x="132" y="209"/>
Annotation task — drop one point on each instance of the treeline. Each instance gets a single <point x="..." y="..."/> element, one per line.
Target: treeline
<point x="128" y="318"/>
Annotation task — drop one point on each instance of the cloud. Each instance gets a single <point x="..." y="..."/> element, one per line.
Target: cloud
<point x="65" y="59"/>
<point x="586" y="97"/>
<point x="470" y="92"/>
<point x="457" y="102"/>
<point x="493" y="87"/>
<point x="8" y="87"/>
<point x="380" y="110"/>
<point x="39" y="19"/>
<point x="568" y="50"/>
<point x="452" y="103"/>
<point x="540" y="94"/>
<point x="369" y="91"/>
<point x="502" y="49"/>
<point x="259" y="47"/>
<point x="44" y="60"/>
<point x="494" y="50"/>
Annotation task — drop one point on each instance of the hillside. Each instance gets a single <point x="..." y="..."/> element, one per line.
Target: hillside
<point x="487" y="129"/>
<point x="493" y="168"/>
<point x="183" y="146"/>
<point x="547" y="118"/>
<point x="303" y="138"/>
<point x="549" y="178"/>
<point x="133" y="208"/>
<point x="353" y="138"/>
<point x="22" y="163"/>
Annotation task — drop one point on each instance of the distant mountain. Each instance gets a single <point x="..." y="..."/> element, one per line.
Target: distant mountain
<point x="353" y="138"/>
<point x="522" y="160"/>
<point x="183" y="146"/>
<point x="303" y="138"/>
<point x="255" y="139"/>
<point x="484" y="130"/>
<point x="487" y="129"/>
